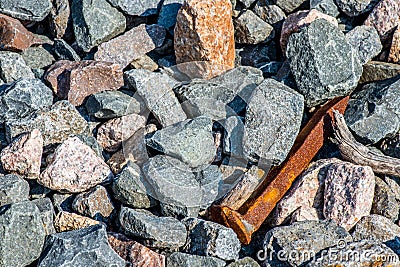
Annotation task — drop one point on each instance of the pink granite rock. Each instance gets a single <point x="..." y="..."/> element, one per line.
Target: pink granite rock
<point x="95" y="203"/>
<point x="394" y="54"/>
<point x="111" y="134"/>
<point x="296" y="21"/>
<point x="74" y="168"/>
<point x="23" y="156"/>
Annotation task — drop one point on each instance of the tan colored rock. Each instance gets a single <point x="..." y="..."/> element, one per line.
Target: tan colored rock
<point x="23" y="156"/>
<point x="144" y="62"/>
<point x="394" y="54"/>
<point x="59" y="17"/>
<point x="204" y="32"/>
<point x="296" y="21"/>
<point x="95" y="203"/>
<point x="305" y="214"/>
<point x="66" y="221"/>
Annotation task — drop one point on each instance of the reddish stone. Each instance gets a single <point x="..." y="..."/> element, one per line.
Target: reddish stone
<point x="14" y="36"/>
<point x="66" y="221"/>
<point x="59" y="17"/>
<point x="95" y="203"/>
<point x="394" y="54"/>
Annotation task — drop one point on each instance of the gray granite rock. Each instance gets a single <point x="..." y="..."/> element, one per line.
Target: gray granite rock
<point x="178" y="259"/>
<point x="366" y="41"/>
<point x="289" y="5"/>
<point x="129" y="187"/>
<point x="95" y="22"/>
<point x="374" y="112"/>
<point x="62" y="202"/>
<point x="13" y="189"/>
<point x="13" y="67"/>
<point x="190" y="141"/>
<point x="250" y="29"/>
<point x="64" y="51"/>
<point x="38" y="57"/>
<point x="153" y="231"/>
<point x="355" y="8"/>
<point x="47" y="213"/>
<point x="31" y="10"/>
<point x="325" y="6"/>
<point x="137" y="7"/>
<point x="273" y="120"/>
<point x="323" y="63"/>
<point x="386" y="202"/>
<point x="233" y="136"/>
<point x="168" y="12"/>
<point x="245" y="262"/>
<point x="210" y="180"/>
<point x="83" y="247"/>
<point x="247" y="3"/>
<point x="178" y="211"/>
<point x="22" y="234"/>
<point x="271" y="14"/>
<point x="211" y="239"/>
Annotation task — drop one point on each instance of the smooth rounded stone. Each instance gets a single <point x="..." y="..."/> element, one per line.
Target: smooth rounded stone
<point x="233" y="136"/>
<point x="197" y="22"/>
<point x="168" y="12"/>
<point x="31" y="10"/>
<point x="386" y="202"/>
<point x="47" y="214"/>
<point x="354" y="254"/>
<point x="153" y="231"/>
<point x="133" y="252"/>
<point x="355" y="8"/>
<point x="23" y="156"/>
<point x="66" y="221"/>
<point x="325" y="6"/>
<point x="156" y="91"/>
<point x="366" y="41"/>
<point x="59" y="19"/>
<point x="38" y="57"/>
<point x="373" y="113"/>
<point x="144" y="62"/>
<point x="324" y="65"/>
<point x="84" y="247"/>
<point x="273" y="118"/>
<point x="245" y="262"/>
<point x="207" y="238"/>
<point x="95" y="203"/>
<point x="95" y="22"/>
<point x="13" y="189"/>
<point x="289" y="5"/>
<point x="179" y="259"/>
<point x="135" y="43"/>
<point x="74" y="168"/>
<point x="190" y="141"/>
<point x="137" y="7"/>
<point x="211" y="180"/>
<point x="63" y="51"/>
<point x="250" y="29"/>
<point x="394" y="53"/>
<point x="13" y="67"/>
<point x="310" y="236"/>
<point x="129" y="187"/>
<point x="376" y="71"/>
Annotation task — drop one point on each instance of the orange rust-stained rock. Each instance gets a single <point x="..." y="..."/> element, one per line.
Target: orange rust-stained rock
<point x="246" y="220"/>
<point x="204" y="33"/>
<point x="14" y="36"/>
<point x="394" y="54"/>
<point x="75" y="81"/>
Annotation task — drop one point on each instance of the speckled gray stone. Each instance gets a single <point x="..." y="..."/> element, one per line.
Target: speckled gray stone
<point x="13" y="189"/>
<point x="64" y="51"/>
<point x="271" y="14"/>
<point x="178" y="259"/>
<point x="289" y="5"/>
<point x="37" y="57"/>
<point x="250" y="29"/>
<point x="47" y="214"/>
<point x="90" y="141"/>
<point x="386" y="201"/>
<point x="245" y="262"/>
<point x="211" y="180"/>
<point x="31" y="10"/>
<point x="355" y="8"/>
<point x="323" y="63"/>
<point x="137" y="7"/>
<point x="366" y="41"/>
<point x="13" y="67"/>
<point x="325" y="6"/>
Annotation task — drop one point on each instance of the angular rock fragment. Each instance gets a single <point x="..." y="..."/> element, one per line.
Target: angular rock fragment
<point x="355" y="8"/>
<point x="144" y="62"/>
<point x="245" y="262"/>
<point x="13" y="189"/>
<point x="66" y="221"/>
<point x="233" y="136"/>
<point x="366" y="41"/>
<point x="376" y="71"/>
<point x="13" y="67"/>
<point x="168" y="12"/>
<point x="271" y="14"/>
<point x="95" y="22"/>
<point x="289" y="5"/>
<point x="386" y="202"/>
<point x="64" y="51"/>
<point x="325" y="6"/>
<point x="74" y="168"/>
<point x="62" y="202"/>
<point x="59" y="18"/>
<point x="324" y="65"/>
<point x="46" y="210"/>
<point x="273" y="119"/>
<point x="178" y="259"/>
<point x="394" y="53"/>
<point x="37" y="57"/>
<point x="137" y="7"/>
<point x="90" y="141"/>
<point x="250" y="29"/>
<point x="84" y="247"/>
<point x="160" y="232"/>
<point x="23" y="156"/>
<point x="210" y="179"/>
<point x="31" y="10"/>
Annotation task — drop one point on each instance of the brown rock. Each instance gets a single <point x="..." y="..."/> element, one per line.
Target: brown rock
<point x="59" y="17"/>
<point x="296" y="21"/>
<point x="144" y="62"/>
<point x="95" y="203"/>
<point x="204" y="32"/>
<point x="66" y="221"/>
<point x="23" y="156"/>
<point x="394" y="54"/>
<point x="75" y="81"/>
<point x="375" y="71"/>
<point x="14" y="36"/>
<point x="74" y="168"/>
<point x="134" y="253"/>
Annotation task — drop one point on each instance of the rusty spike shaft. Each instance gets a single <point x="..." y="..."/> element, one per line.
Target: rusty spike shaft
<point x="253" y="213"/>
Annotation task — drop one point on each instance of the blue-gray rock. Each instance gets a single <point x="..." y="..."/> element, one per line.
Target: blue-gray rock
<point x="13" y="189"/>
<point x="207" y="238"/>
<point x="355" y="8"/>
<point x="233" y="136"/>
<point x="153" y="231"/>
<point x="168" y="12"/>
<point x="64" y="51"/>
<point x="47" y="214"/>
<point x="210" y="180"/>
<point x="325" y="6"/>
<point x="22" y="98"/>
<point x="137" y="7"/>
<point x="63" y="202"/>
<point x="323" y="63"/>
<point x="374" y="112"/>
<point x="386" y="202"/>
<point x="13" y="67"/>
<point x="129" y="187"/>
<point x="38" y="57"/>
<point x="190" y="141"/>
<point x="31" y="10"/>
<point x="95" y="22"/>
<point x="250" y="29"/>
<point x="245" y="262"/>
<point x="83" y="247"/>
<point x="273" y="119"/>
<point x="22" y="234"/>
<point x="247" y="3"/>
<point x="178" y="259"/>
<point x="366" y="41"/>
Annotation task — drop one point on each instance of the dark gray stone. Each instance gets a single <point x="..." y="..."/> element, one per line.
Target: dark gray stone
<point x="290" y="5"/>
<point x="37" y="57"/>
<point x="211" y="180"/>
<point x="63" y="202"/>
<point x="168" y="12"/>
<point x="64" y="51"/>
<point x="366" y="41"/>
<point x="190" y="141"/>
<point x="207" y="238"/>
<point x="250" y="29"/>
<point x="325" y="6"/>
<point x="374" y="112"/>
<point x="95" y="22"/>
<point x="391" y="146"/>
<point x="323" y="63"/>
<point x="271" y="14"/>
<point x="233" y="136"/>
<point x="47" y="214"/>
<point x="386" y="202"/>
<point x="247" y="3"/>
<point x="32" y="10"/>
<point x="13" y="67"/>
<point x="245" y="262"/>
<point x="83" y="247"/>
<point x="153" y="231"/>
<point x="178" y="259"/>
<point x="355" y="8"/>
<point x="13" y="189"/>
<point x="273" y="119"/>
<point x="137" y="7"/>
<point x="21" y="233"/>
<point x="376" y="71"/>
<point x="177" y="211"/>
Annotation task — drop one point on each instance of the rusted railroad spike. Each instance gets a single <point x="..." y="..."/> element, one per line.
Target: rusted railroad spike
<point x="248" y="218"/>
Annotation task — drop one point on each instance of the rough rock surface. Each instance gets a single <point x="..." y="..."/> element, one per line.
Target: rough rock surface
<point x="394" y="53"/>
<point x="154" y="231"/>
<point x="66" y="221"/>
<point x="324" y="65"/>
<point x="355" y="8"/>
<point x="366" y="41"/>
<point x="13" y="189"/>
<point x="377" y="71"/>
<point x="46" y="210"/>
<point x="23" y="156"/>
<point x="386" y="202"/>
<point x="250" y="29"/>
<point x="273" y="119"/>
<point x="31" y="10"/>
<point x="13" y="67"/>
<point x="59" y="18"/>
<point x="137" y="7"/>
<point x="63" y="51"/>
<point x="74" y="247"/>
<point x="233" y="136"/>
<point x="178" y="259"/>
<point x="271" y="14"/>
<point x="168" y="12"/>
<point x="74" y="168"/>
<point x="244" y="262"/>
<point x="289" y="5"/>
<point x="210" y="179"/>
<point x="325" y="6"/>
